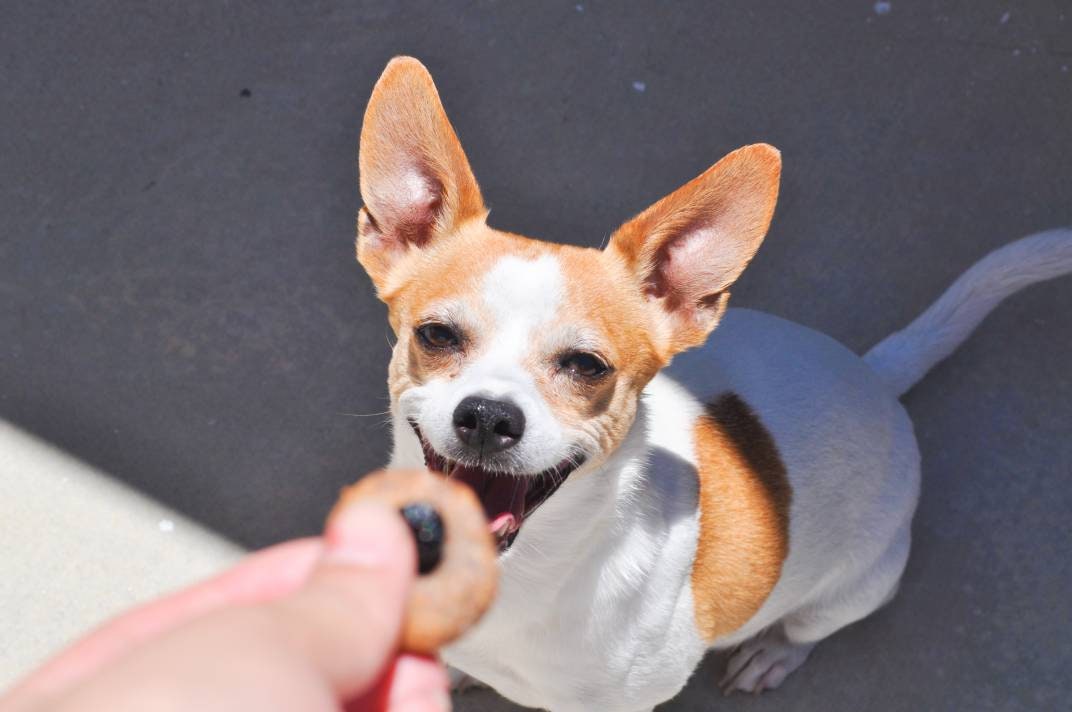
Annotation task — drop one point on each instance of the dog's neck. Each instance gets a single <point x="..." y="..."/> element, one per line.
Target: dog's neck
<point x="587" y="514"/>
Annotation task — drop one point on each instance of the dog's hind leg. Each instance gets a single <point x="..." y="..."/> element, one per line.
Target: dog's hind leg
<point x="763" y="662"/>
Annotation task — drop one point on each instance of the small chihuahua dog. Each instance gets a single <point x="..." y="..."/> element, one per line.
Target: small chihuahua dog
<point x="756" y="494"/>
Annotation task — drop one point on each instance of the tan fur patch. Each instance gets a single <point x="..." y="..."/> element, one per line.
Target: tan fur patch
<point x="744" y="517"/>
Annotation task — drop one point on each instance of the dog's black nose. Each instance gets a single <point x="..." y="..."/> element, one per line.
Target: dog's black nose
<point x="488" y="426"/>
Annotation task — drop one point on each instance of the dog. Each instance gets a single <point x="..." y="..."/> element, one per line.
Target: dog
<point x="654" y="494"/>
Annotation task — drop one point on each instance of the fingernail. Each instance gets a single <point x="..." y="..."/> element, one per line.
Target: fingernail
<point x="362" y="535"/>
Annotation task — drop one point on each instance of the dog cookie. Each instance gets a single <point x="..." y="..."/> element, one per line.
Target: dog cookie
<point x="455" y="552"/>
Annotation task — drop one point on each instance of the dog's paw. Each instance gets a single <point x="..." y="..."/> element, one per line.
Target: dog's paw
<point x="763" y="662"/>
<point x="461" y="682"/>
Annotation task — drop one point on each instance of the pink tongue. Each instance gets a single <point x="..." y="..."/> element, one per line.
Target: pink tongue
<point x="502" y="495"/>
<point x="502" y="525"/>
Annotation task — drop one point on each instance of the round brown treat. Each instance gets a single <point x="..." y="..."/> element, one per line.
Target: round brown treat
<point x="448" y="600"/>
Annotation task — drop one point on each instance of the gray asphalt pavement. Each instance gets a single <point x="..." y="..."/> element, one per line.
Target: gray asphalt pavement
<point x="179" y="304"/>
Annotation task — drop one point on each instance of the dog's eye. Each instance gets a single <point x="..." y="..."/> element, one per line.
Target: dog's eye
<point x="583" y="365"/>
<point x="438" y="336"/>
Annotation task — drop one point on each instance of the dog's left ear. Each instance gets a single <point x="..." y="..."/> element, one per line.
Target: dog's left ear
<point x="415" y="178"/>
<point x="688" y="248"/>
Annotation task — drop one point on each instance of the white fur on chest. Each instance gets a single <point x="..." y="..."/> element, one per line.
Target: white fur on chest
<point x="600" y="573"/>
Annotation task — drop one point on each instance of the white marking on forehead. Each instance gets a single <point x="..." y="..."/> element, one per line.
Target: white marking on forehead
<point x="522" y="296"/>
<point x="523" y="292"/>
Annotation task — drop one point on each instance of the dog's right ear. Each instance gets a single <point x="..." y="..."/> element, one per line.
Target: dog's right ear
<point x="415" y="178"/>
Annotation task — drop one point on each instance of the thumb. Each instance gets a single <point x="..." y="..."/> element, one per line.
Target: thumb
<point x="348" y="617"/>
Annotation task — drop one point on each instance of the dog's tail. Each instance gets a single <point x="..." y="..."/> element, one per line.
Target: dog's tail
<point x="904" y="357"/>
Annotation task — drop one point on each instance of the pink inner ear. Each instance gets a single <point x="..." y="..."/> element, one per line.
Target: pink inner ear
<point x="696" y="265"/>
<point x="408" y="207"/>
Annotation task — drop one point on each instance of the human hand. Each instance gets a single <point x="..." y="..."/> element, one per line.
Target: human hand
<point x="308" y="625"/>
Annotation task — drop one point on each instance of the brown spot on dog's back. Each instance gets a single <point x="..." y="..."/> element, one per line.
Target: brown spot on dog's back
<point x="744" y="517"/>
<point x="756" y="446"/>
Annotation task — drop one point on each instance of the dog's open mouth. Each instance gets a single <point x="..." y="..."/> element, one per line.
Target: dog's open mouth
<point x="508" y="498"/>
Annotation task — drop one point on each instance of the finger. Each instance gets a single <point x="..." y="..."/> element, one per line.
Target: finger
<point x="413" y="683"/>
<point x="418" y="684"/>
<point x="347" y="619"/>
<point x="264" y="576"/>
